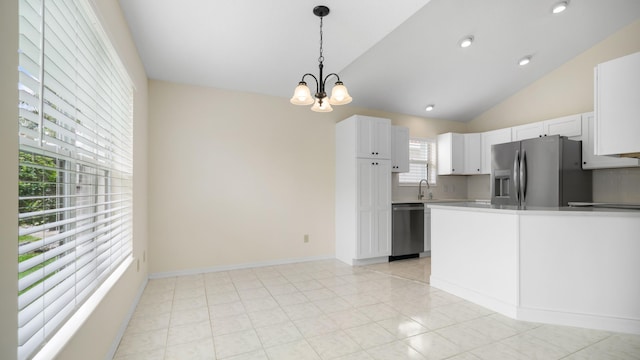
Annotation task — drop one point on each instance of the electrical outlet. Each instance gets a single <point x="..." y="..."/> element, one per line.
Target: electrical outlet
<point x="306" y="238"/>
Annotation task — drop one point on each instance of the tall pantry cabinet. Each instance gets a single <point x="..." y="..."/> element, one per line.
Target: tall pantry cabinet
<point x="363" y="189"/>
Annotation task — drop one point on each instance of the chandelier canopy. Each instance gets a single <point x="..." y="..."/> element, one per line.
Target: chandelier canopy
<point x="339" y="93"/>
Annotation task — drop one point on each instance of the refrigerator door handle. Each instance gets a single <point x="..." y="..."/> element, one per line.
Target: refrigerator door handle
<point x="516" y="172"/>
<point x="523" y="177"/>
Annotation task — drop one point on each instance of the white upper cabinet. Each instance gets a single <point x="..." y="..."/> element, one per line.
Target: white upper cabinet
<point x="399" y="149"/>
<point x="617" y="106"/>
<point x="527" y="131"/>
<point x="592" y="161"/>
<point x="450" y="154"/>
<point x="373" y="137"/>
<point x="472" y="154"/>
<point x="565" y="126"/>
<point x="568" y="126"/>
<point x="459" y="154"/>
<point x="489" y="138"/>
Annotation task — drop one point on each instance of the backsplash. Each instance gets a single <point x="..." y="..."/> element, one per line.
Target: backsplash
<point x="447" y="187"/>
<point x="617" y="185"/>
<point x="609" y="185"/>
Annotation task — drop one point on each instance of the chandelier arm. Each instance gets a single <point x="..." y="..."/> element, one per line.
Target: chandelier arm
<point x="314" y="78"/>
<point x="327" y="77"/>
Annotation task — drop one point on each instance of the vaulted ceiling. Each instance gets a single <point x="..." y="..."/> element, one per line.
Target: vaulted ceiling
<point x="397" y="56"/>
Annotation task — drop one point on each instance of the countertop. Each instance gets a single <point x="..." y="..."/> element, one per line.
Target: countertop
<point x="484" y="206"/>
<point x="435" y="201"/>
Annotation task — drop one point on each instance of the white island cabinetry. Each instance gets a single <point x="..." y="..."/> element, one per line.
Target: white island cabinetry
<point x="559" y="266"/>
<point x="363" y="190"/>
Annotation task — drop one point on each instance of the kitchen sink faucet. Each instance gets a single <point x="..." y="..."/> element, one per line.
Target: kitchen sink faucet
<point x="420" y="193"/>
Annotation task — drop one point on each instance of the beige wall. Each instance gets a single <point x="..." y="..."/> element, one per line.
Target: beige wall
<point x="565" y="91"/>
<point x="95" y="338"/>
<point x="239" y="178"/>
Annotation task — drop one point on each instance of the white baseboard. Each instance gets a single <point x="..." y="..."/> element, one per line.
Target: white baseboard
<point x="238" y="266"/>
<point x="491" y="303"/>
<point x="631" y="326"/>
<point x="125" y="322"/>
<point x="589" y="321"/>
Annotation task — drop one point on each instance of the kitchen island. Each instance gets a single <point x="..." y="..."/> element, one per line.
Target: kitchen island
<point x="562" y="265"/>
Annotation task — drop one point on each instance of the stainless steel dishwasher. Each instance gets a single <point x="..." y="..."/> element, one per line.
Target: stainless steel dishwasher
<point x="407" y="230"/>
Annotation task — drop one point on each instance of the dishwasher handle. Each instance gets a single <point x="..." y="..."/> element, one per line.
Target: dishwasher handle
<point x="407" y="208"/>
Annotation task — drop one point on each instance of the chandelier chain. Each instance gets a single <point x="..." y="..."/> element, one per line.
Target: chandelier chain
<point x="321" y="58"/>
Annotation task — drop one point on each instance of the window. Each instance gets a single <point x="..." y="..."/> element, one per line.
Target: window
<point x="75" y="166"/>
<point x="422" y="162"/>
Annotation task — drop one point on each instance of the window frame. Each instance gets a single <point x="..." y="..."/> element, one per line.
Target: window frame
<point x="75" y="123"/>
<point x="431" y="162"/>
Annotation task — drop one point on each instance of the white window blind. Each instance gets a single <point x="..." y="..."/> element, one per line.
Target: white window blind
<point x="75" y="172"/>
<point x="422" y="162"/>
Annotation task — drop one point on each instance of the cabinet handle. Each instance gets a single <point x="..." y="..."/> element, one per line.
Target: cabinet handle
<point x="585" y="162"/>
<point x="452" y="170"/>
<point x="539" y="135"/>
<point x="478" y="170"/>
<point x="372" y="153"/>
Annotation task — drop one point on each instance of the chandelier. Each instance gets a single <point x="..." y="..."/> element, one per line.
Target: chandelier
<point x="339" y="93"/>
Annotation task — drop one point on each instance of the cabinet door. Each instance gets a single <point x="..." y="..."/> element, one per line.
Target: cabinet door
<point x="399" y="149"/>
<point x="373" y="137"/>
<point x="527" y="131"/>
<point x="450" y="154"/>
<point x="472" y="154"/>
<point x="489" y="138"/>
<point x="382" y="138"/>
<point x="366" y="208"/>
<point x="592" y="161"/>
<point x="565" y="126"/>
<point x="374" y="208"/>
<point x="617" y="109"/>
<point x="382" y="242"/>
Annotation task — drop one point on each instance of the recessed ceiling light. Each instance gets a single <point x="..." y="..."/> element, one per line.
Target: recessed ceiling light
<point x="560" y="7"/>
<point x="466" y="42"/>
<point x="429" y="107"/>
<point x="525" y="60"/>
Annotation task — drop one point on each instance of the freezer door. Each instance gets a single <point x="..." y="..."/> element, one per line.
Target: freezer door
<point x="504" y="173"/>
<point x="541" y="185"/>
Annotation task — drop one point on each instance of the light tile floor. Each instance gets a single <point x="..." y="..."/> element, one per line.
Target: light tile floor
<point x="328" y="310"/>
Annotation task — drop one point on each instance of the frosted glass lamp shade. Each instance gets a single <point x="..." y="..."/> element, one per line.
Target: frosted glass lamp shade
<point x="325" y="107"/>
<point x="302" y="95"/>
<point x="339" y="94"/>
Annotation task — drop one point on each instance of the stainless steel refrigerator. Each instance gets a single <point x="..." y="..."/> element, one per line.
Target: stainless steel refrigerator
<point x="544" y="171"/>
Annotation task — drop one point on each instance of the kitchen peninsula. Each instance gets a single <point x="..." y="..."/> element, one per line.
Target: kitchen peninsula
<point x="562" y="265"/>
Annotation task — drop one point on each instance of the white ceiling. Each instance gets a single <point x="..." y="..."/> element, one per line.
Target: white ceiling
<point x="396" y="56"/>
